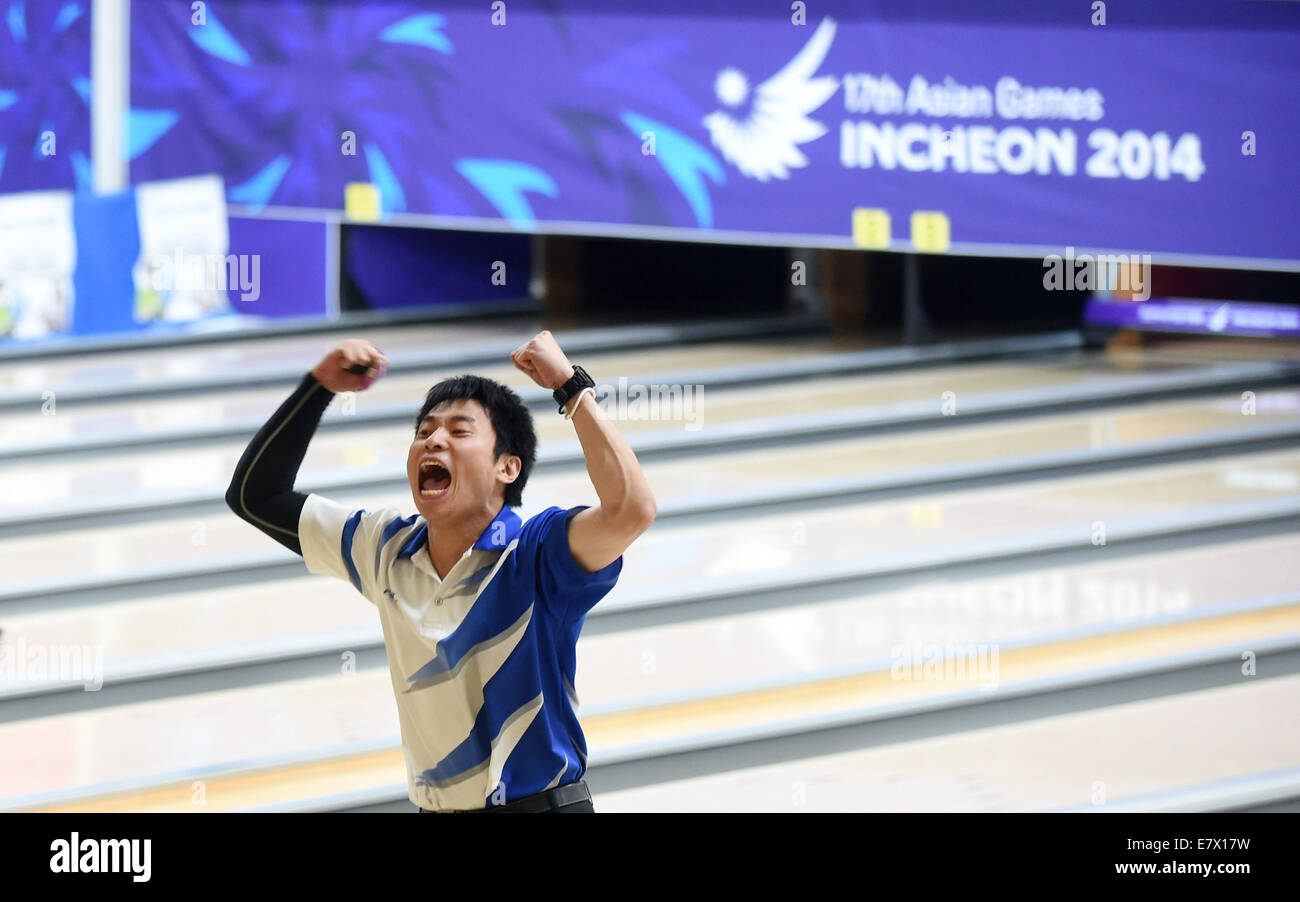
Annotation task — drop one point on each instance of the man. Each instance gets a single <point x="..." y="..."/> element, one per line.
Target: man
<point x="481" y="612"/>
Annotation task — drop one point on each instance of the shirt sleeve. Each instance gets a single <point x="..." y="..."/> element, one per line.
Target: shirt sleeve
<point x="261" y="490"/>
<point x="563" y="586"/>
<point x="345" y="543"/>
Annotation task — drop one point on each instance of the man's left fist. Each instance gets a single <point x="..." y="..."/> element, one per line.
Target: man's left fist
<point x="543" y="361"/>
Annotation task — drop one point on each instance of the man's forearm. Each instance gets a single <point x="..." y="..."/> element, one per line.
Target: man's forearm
<point x="616" y="474"/>
<point x="261" y="490"/>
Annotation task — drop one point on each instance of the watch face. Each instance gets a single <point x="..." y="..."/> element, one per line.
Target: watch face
<point x="581" y="379"/>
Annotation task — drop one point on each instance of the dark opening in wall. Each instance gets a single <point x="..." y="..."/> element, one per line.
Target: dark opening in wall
<point x="602" y="277"/>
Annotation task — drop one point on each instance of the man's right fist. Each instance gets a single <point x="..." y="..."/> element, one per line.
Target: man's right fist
<point x="335" y="369"/>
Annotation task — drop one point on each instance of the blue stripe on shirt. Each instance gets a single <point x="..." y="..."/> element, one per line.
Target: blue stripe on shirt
<point x="349" y="530"/>
<point x="395" y="525"/>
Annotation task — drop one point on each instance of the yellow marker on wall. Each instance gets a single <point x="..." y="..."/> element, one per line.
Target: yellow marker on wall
<point x="871" y="227"/>
<point x="931" y="231"/>
<point x="361" y="201"/>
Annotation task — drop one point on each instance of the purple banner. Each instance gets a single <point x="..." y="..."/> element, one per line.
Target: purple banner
<point x="291" y="267"/>
<point x="1195" y="315"/>
<point x="1167" y="128"/>
<point x="44" y="95"/>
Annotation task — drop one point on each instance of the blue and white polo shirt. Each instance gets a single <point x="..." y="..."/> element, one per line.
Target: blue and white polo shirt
<point x="483" y="661"/>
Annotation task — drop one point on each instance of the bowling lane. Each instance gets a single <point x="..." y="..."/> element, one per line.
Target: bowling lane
<point x="1186" y="742"/>
<point x="335" y="457"/>
<point x="709" y="553"/>
<point x="303" y="723"/>
<point x="704" y="657"/>
<point x="120" y="370"/>
<point x="924" y="530"/>
<point x="142" y="475"/>
<point x="143" y="417"/>
<point x="123" y="370"/>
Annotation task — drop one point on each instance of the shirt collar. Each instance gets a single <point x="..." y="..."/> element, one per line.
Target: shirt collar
<point x="503" y="530"/>
<point x="417" y="540"/>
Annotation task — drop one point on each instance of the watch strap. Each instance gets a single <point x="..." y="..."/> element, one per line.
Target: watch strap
<point x="577" y="382"/>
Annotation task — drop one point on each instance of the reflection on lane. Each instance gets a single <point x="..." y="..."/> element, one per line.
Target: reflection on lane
<point x="707" y="656"/>
<point x="1185" y="741"/>
<point x="302" y="719"/>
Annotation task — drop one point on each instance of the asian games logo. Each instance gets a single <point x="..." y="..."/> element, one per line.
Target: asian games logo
<point x="765" y="143"/>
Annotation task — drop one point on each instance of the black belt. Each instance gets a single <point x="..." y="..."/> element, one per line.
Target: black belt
<point x="548" y="800"/>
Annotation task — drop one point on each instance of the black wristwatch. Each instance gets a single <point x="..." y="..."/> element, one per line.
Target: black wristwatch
<point x="566" y="392"/>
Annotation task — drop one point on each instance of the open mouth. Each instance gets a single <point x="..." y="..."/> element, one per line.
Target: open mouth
<point x="435" y="479"/>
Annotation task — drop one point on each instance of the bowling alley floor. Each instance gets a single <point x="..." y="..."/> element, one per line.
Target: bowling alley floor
<point x="810" y="526"/>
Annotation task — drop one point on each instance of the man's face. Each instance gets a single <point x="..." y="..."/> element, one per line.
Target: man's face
<point x="451" y="466"/>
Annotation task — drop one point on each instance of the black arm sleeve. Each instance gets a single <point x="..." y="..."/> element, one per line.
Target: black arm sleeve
<point x="261" y="491"/>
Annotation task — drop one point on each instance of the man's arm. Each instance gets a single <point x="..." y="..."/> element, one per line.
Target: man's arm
<point x="261" y="490"/>
<point x="599" y="535"/>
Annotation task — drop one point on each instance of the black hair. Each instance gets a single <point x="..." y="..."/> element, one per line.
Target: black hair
<point x="511" y="421"/>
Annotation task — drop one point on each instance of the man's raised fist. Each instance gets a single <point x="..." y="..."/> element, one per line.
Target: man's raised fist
<point x="542" y="361"/>
<point x="352" y="366"/>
